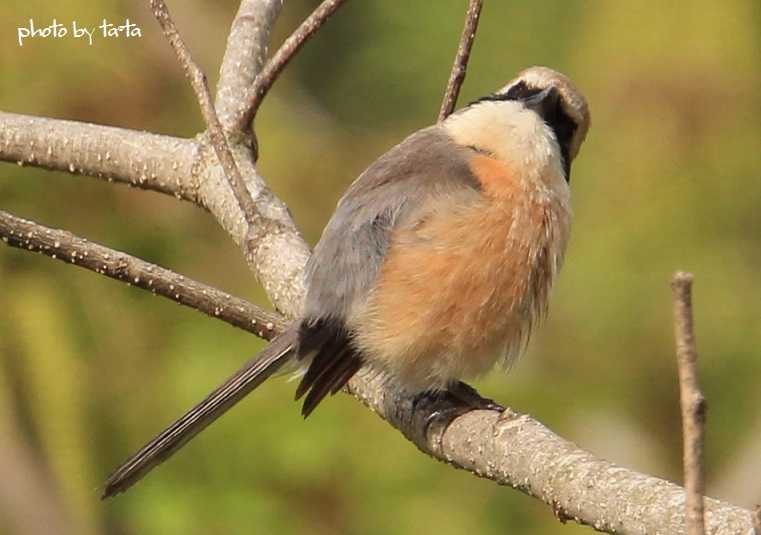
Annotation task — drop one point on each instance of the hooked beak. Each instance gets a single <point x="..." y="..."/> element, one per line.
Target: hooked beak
<point x="545" y="103"/>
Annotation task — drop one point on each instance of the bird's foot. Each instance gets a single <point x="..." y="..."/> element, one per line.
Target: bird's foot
<point x="470" y="397"/>
<point x="444" y="406"/>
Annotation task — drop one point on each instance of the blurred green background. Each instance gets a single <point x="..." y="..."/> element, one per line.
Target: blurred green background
<point x="669" y="178"/>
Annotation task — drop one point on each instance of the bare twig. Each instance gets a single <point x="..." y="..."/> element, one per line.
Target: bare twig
<point x="756" y="514"/>
<point x="277" y="63"/>
<point x="692" y="402"/>
<point x="71" y="249"/>
<point x="264" y="228"/>
<point x="216" y="133"/>
<point x="459" y="68"/>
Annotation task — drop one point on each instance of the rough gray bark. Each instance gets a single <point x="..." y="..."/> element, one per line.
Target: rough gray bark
<point x="66" y="247"/>
<point x="140" y="159"/>
<point x="245" y="56"/>
<point x="509" y="449"/>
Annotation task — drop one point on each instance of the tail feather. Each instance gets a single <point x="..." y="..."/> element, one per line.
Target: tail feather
<point x="251" y="375"/>
<point x="333" y="361"/>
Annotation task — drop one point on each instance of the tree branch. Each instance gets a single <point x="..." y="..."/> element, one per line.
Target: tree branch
<point x="255" y="95"/>
<point x="245" y="55"/>
<point x="518" y="451"/>
<point x="460" y="66"/>
<point x="692" y="402"/>
<point x="184" y="168"/>
<point x="140" y="159"/>
<point x="216" y="134"/>
<point x="259" y="226"/>
<point x="68" y="248"/>
<point x="509" y="449"/>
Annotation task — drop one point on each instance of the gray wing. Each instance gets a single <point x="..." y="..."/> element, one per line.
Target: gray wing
<point x="390" y="194"/>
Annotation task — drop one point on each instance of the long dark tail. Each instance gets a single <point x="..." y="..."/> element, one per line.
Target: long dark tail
<point x="171" y="439"/>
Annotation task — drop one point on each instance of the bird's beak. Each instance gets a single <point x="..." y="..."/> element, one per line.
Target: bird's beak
<point x="545" y="103"/>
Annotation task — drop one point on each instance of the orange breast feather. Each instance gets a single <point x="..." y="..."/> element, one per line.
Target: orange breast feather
<point x="460" y="290"/>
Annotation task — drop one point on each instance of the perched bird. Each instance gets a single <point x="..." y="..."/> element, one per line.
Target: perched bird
<point x="436" y="263"/>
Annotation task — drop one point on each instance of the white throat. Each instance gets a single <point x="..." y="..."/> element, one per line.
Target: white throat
<point x="512" y="134"/>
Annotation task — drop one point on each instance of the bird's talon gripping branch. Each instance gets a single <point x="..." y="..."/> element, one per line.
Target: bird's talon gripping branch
<point x="470" y="397"/>
<point x="438" y="409"/>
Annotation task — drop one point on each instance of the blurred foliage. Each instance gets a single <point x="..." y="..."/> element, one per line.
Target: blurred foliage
<point x="670" y="178"/>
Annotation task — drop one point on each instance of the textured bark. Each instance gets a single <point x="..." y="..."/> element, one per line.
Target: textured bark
<point x="68" y="248"/>
<point x="691" y="400"/>
<point x="516" y="450"/>
<point x="141" y="159"/>
<point x="244" y="58"/>
<point x="185" y="168"/>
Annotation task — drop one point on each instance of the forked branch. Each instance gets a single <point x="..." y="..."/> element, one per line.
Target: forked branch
<point x="285" y="53"/>
<point x="216" y="133"/>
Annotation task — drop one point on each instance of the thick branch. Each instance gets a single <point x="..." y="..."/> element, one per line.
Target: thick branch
<point x="692" y="402"/>
<point x="184" y="168"/>
<point x="144" y="160"/>
<point x="460" y="66"/>
<point x="255" y="94"/>
<point x="71" y="249"/>
<point x="516" y="450"/>
<point x="244" y="57"/>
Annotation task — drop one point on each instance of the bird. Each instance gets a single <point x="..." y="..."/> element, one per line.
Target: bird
<point x="436" y="264"/>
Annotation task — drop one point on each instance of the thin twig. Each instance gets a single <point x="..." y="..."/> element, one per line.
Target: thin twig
<point x="285" y="53"/>
<point x="756" y="519"/>
<point x="216" y="134"/>
<point x="71" y="249"/>
<point x="692" y="402"/>
<point x="460" y="66"/>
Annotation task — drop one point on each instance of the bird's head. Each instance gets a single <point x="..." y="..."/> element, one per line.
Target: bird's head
<point x="517" y="119"/>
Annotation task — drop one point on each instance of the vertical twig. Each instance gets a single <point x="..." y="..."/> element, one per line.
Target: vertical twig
<point x="216" y="134"/>
<point x="457" y="76"/>
<point x="692" y="402"/>
<point x="756" y="519"/>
